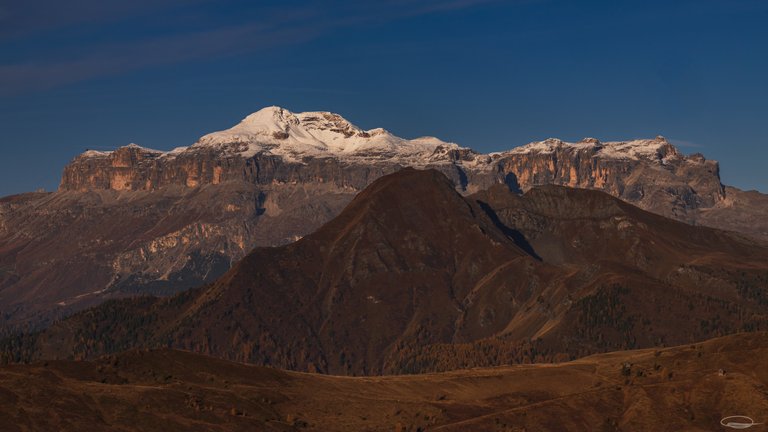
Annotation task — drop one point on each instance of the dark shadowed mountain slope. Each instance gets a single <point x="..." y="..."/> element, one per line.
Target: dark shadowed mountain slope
<point x="413" y="277"/>
<point x="395" y="267"/>
<point x="580" y="226"/>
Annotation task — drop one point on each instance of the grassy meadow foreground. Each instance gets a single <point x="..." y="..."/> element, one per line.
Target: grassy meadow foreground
<point x="689" y="387"/>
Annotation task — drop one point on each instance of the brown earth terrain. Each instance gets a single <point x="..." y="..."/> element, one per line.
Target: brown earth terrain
<point x="691" y="387"/>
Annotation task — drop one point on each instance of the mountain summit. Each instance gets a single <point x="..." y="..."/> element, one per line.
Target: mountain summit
<point x="281" y="132"/>
<point x="294" y="136"/>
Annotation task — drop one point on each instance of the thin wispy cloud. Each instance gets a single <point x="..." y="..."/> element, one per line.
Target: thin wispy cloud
<point x="31" y="17"/>
<point x="127" y="57"/>
<point x="449" y="6"/>
<point x="273" y="27"/>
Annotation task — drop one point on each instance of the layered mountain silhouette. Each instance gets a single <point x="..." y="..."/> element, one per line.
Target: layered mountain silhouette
<point x="136" y="221"/>
<point x="413" y="277"/>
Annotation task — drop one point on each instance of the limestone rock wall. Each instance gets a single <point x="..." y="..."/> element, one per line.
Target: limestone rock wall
<point x="672" y="185"/>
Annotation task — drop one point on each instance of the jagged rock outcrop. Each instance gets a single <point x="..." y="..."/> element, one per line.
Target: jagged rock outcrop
<point x="136" y="220"/>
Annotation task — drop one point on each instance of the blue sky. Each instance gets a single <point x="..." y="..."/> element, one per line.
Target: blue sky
<point x="486" y="74"/>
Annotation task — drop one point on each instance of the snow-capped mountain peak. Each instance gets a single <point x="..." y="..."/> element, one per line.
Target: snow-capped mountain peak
<point x="295" y="137"/>
<point x="269" y="119"/>
<point x="277" y="131"/>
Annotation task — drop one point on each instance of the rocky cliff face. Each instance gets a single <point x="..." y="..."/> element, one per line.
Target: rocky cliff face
<point x="136" y="220"/>
<point x="133" y="168"/>
<point x="68" y="250"/>
<point x="652" y="174"/>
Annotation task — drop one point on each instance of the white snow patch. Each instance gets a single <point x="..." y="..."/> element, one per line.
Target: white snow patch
<point x="96" y="153"/>
<point x="144" y="149"/>
<point x="100" y="154"/>
<point x="655" y="149"/>
<point x="279" y="132"/>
